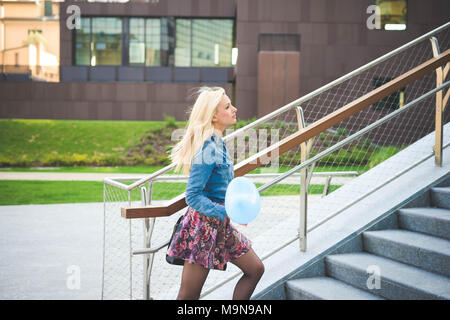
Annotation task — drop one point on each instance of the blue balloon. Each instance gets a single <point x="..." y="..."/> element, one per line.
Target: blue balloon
<point x="242" y="200"/>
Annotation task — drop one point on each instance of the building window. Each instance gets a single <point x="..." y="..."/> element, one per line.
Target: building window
<point x="393" y="14"/>
<point x="151" y="42"/>
<point x="154" y="42"/>
<point x="106" y="45"/>
<point x="48" y="9"/>
<point x="212" y="42"/>
<point x="137" y="41"/>
<point x="32" y="31"/>
<point x="204" y="42"/>
<point x="183" y="43"/>
<point x="168" y="41"/>
<point x="83" y="43"/>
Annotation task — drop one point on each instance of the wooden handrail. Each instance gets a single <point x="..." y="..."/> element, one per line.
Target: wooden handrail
<point x="299" y="137"/>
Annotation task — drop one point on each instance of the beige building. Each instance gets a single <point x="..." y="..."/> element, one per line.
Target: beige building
<point x="29" y="38"/>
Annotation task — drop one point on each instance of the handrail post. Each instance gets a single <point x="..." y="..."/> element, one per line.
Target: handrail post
<point x="440" y="105"/>
<point x="305" y="148"/>
<point x="326" y="188"/>
<point x="438" y="117"/>
<point x="148" y="224"/>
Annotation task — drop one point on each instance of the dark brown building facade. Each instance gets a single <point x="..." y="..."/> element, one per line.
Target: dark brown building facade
<point x="286" y="49"/>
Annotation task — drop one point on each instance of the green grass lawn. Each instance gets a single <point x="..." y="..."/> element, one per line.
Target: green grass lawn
<point x="13" y="192"/>
<point x="29" y="140"/>
<point x="37" y="137"/>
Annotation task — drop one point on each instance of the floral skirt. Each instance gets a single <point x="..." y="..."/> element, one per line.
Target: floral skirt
<point x="207" y="241"/>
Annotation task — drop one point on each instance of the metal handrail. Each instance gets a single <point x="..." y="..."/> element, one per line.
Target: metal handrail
<point x="288" y="106"/>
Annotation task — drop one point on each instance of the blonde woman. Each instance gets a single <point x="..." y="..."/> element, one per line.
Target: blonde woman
<point x="205" y="239"/>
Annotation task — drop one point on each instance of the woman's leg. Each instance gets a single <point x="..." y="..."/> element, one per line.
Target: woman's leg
<point x="192" y="280"/>
<point x="253" y="270"/>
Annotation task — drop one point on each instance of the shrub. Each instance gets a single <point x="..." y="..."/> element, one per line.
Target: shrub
<point x="51" y="160"/>
<point x="149" y="149"/>
<point x="149" y="161"/>
<point x="341" y="131"/>
<point x="162" y="159"/>
<point x="78" y="159"/>
<point x="365" y="143"/>
<point x="382" y="154"/>
<point x="4" y="161"/>
<point x="355" y="156"/>
<point x="19" y="162"/>
<point x="170" y="122"/>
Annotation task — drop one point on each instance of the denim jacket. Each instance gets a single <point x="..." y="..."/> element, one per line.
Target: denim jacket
<point x="211" y="172"/>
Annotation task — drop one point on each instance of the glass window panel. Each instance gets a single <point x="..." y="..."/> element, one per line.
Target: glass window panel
<point x="82" y="43"/>
<point x="153" y="42"/>
<point x="137" y="41"/>
<point x="106" y="44"/>
<point x="167" y="41"/>
<point x="183" y="43"/>
<point x="212" y="42"/>
<point x="48" y="9"/>
<point x="393" y="14"/>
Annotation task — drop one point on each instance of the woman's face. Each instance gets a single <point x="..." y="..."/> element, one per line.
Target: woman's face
<point x="225" y="115"/>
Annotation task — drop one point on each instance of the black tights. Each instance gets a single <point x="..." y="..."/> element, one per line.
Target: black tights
<point x="194" y="277"/>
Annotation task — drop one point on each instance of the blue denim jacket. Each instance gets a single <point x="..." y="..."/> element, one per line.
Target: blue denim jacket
<point x="211" y="172"/>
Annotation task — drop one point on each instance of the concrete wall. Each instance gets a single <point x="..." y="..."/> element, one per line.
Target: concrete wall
<point x="97" y="101"/>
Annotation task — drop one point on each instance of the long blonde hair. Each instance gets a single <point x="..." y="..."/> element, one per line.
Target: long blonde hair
<point x="199" y="128"/>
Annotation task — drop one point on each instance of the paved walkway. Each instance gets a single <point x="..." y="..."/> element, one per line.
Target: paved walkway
<point x="41" y="246"/>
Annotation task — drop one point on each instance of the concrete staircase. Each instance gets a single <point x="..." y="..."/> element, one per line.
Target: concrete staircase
<point x="407" y="258"/>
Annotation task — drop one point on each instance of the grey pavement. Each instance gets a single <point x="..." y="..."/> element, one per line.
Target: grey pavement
<point x="44" y="247"/>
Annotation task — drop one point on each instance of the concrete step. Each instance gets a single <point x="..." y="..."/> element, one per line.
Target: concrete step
<point x="387" y="278"/>
<point x="433" y="221"/>
<point x="440" y="197"/>
<point x="325" y="288"/>
<point x="420" y="250"/>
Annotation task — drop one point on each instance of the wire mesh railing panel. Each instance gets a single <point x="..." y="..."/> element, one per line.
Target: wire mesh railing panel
<point x="375" y="154"/>
<point x="116" y="246"/>
<point x="164" y="278"/>
<point x="278" y="220"/>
